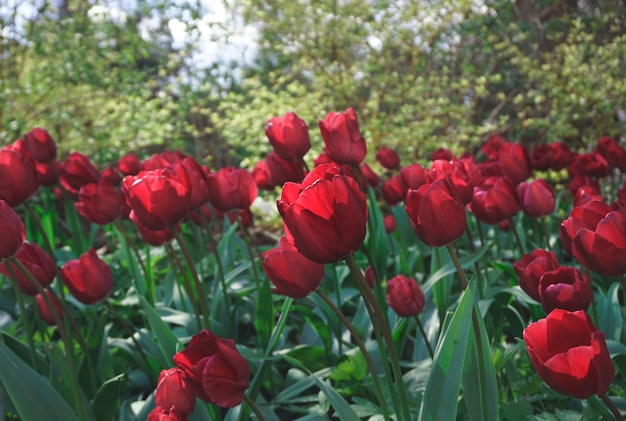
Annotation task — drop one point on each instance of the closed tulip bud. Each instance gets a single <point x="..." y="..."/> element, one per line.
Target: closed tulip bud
<point x="414" y="176"/>
<point x="192" y="176"/>
<point x="77" y="171"/>
<point x="589" y="164"/>
<point x="44" y="310"/>
<point x="389" y="221"/>
<point x="325" y="217"/>
<point x="495" y="201"/>
<point x="162" y="414"/>
<point x="388" y="158"/>
<point x="215" y="369"/>
<point x="12" y="229"/>
<point x="342" y="137"/>
<point x="173" y="392"/>
<point x="394" y="190"/>
<point x="564" y="287"/>
<point x="372" y="178"/>
<point x="282" y="170"/>
<point x="262" y="176"/>
<point x="530" y="269"/>
<point x="536" y="197"/>
<point x="40" y="144"/>
<point x="289" y="136"/>
<point x="99" y="203"/>
<point x="18" y="176"/>
<point x="88" y="278"/>
<point x="291" y="273"/>
<point x="455" y="171"/>
<point x="586" y="216"/>
<point x="614" y="154"/>
<point x="436" y="212"/>
<point x="442" y="153"/>
<point x="514" y="162"/>
<point x="153" y="237"/>
<point x="231" y="188"/>
<point x="38" y="263"/>
<point x="47" y="172"/>
<point x="158" y="198"/>
<point x="129" y="164"/>
<point x="405" y="296"/>
<point x="570" y="354"/>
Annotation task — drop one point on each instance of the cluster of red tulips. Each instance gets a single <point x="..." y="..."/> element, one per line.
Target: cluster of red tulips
<point x="326" y="215"/>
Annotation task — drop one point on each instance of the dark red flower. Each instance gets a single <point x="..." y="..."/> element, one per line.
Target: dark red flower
<point x="191" y="175"/>
<point x="44" y="310"/>
<point x="492" y="146"/>
<point x="12" y="229"/>
<point x="153" y="237"/>
<point x="389" y="221"/>
<point x="564" y="287"/>
<point x="47" y="172"/>
<point x="570" y="354"/>
<point x="530" y="269"/>
<point x="436" y="212"/>
<point x="342" y="137"/>
<point x="99" y="203"/>
<point x="582" y="181"/>
<point x="325" y="216"/>
<point x="282" y="170"/>
<point x="405" y="296"/>
<point x="289" y="136"/>
<point x="40" y="265"/>
<point x="372" y="178"/>
<point x="217" y="372"/>
<point x="614" y="154"/>
<point x="388" y="158"/>
<point x="162" y="414"/>
<point x="495" y="201"/>
<point x="536" y="197"/>
<point x="455" y="171"/>
<point x="585" y="216"/>
<point x="18" y="176"/>
<point x="88" y="278"/>
<point x="414" y="176"/>
<point x="514" y="162"/>
<point x="129" y="164"/>
<point x="77" y="171"/>
<point x="393" y="190"/>
<point x="173" y="392"/>
<point x="111" y="176"/>
<point x="262" y="176"/>
<point x="40" y="144"/>
<point x="231" y="188"/>
<point x="292" y="274"/>
<point x="589" y="164"/>
<point x="442" y="153"/>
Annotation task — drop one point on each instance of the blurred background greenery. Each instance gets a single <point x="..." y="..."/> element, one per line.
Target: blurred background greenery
<point x="107" y="77"/>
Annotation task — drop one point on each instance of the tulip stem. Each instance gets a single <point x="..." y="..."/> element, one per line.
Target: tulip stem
<point x="194" y="274"/>
<point x="222" y="281"/>
<point x="247" y="239"/>
<point x="544" y="226"/>
<point x="423" y="332"/>
<point x="609" y="403"/>
<point x="254" y="408"/>
<point x="361" y="345"/>
<point x="518" y="240"/>
<point x="42" y="231"/>
<point x="148" y="283"/>
<point x="380" y="322"/>
<point x="25" y="322"/>
<point x="186" y="282"/>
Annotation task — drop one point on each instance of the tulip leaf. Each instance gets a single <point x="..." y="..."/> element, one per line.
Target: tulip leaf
<point x="139" y="280"/>
<point x="448" y="268"/>
<point x="264" y="320"/>
<point x="22" y="384"/>
<point x="608" y="310"/>
<point x="107" y="398"/>
<point x="480" y="388"/>
<point x="342" y="408"/>
<point x="442" y="389"/>
<point x="164" y="335"/>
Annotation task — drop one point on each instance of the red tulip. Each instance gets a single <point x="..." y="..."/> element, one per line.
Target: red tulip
<point x="216" y="370"/>
<point x="414" y="176"/>
<point x="531" y="267"/>
<point x="173" y="392"/>
<point x="394" y="190"/>
<point x="342" y="137"/>
<point x="455" y="171"/>
<point x="564" y="287"/>
<point x="47" y="172"/>
<point x="162" y="414"/>
<point x="99" y="203"/>
<point x="578" y="182"/>
<point x="372" y="178"/>
<point x="77" y="171"/>
<point x="282" y="170"/>
<point x="192" y="176"/>
<point x="111" y="176"/>
<point x="231" y="188"/>
<point x="514" y="162"/>
<point x="495" y="201"/>
<point x="570" y="354"/>
<point x="602" y="248"/>
<point x="442" y="153"/>
<point x="18" y="176"/>
<point x="369" y="276"/>
<point x="153" y="237"/>
<point x="158" y="198"/>
<point x="262" y="176"/>
<point x="88" y="278"/>
<point x="12" y="229"/>
<point x="292" y="273"/>
<point x="589" y="164"/>
<point x="325" y="216"/>
<point x="492" y="146"/>
<point x="585" y="216"/>
<point x="436" y="212"/>
<point x="37" y="262"/>
<point x="536" y="197"/>
<point x="289" y="136"/>
<point x="388" y="158"/>
<point x="129" y="164"/>
<point x="389" y="221"/>
<point x="44" y="310"/>
<point x="40" y="144"/>
<point x="405" y="296"/>
<point x="614" y="154"/>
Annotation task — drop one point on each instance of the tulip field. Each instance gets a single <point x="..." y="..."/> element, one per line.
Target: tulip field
<point x="347" y="284"/>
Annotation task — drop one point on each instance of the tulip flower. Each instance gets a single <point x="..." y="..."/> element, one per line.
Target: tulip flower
<point x="342" y="137"/>
<point x="570" y="354"/>
<point x="614" y="154"/>
<point x="531" y="267"/>
<point x="495" y="201"/>
<point x="173" y="392"/>
<point x="47" y="172"/>
<point x="18" y="176"/>
<point x="282" y="170"/>
<point x="262" y="176"/>
<point x="536" y="198"/>
<point x="388" y="158"/>
<point x="394" y="190"/>
<point x="40" y="144"/>
<point x="414" y="176"/>
<point x="129" y="164"/>
<point x="216" y="371"/>
<point x="44" y="310"/>
<point x="289" y="136"/>
<point x="405" y="296"/>
<point x="325" y="216"/>
<point x="436" y="212"/>
<point x="158" y="198"/>
<point x="153" y="237"/>
<point x="38" y="263"/>
<point x="589" y="164"/>
<point x="455" y="171"/>
<point x="12" y="229"/>
<point x="231" y="188"/>
<point x="564" y="287"/>
<point x="602" y="248"/>
<point x="443" y="154"/>
<point x="99" y="203"/>
<point x="514" y="162"/>
<point x="77" y="171"/>
<point x="372" y="178"/>
<point x="389" y="222"/>
<point x="586" y="216"/>
<point x="191" y="175"/>
<point x="88" y="278"/>
<point x="292" y="274"/>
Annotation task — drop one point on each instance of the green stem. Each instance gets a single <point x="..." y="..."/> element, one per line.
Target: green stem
<point x="199" y="288"/>
<point x="378" y="318"/>
<point x="423" y="332"/>
<point x="186" y="283"/>
<point x="546" y="233"/>
<point x="222" y="281"/>
<point x="42" y="231"/>
<point x="254" y="408"/>
<point x="517" y="237"/>
<point x="25" y="322"/>
<point x="247" y="239"/>
<point x="614" y="410"/>
<point x="361" y="345"/>
<point x="149" y="287"/>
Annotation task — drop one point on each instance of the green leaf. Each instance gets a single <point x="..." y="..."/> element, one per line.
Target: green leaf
<point x="343" y="410"/>
<point x="264" y="320"/>
<point x="448" y="268"/>
<point x="609" y="312"/>
<point x="31" y="394"/>
<point x="107" y="398"/>
<point x="442" y="390"/>
<point x="352" y="367"/>
<point x="164" y="335"/>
